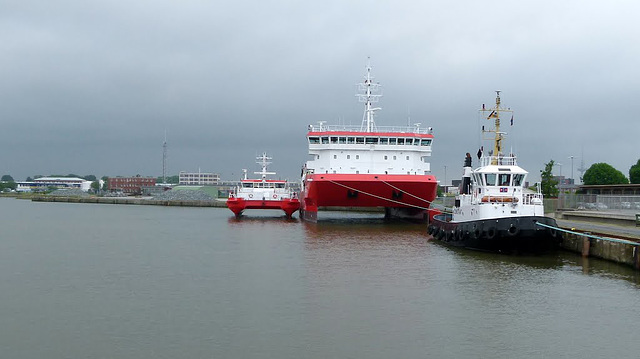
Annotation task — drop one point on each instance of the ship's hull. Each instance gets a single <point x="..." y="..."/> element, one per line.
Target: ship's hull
<point x="505" y="235"/>
<point x="288" y="205"/>
<point x="401" y="195"/>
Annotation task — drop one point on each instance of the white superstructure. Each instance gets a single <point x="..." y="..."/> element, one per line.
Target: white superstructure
<point x="368" y="148"/>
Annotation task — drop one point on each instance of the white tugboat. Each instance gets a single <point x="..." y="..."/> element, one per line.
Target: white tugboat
<point x="494" y="212"/>
<point x="263" y="193"/>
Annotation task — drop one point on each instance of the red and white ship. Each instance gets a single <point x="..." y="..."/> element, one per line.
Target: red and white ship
<point x="263" y="193"/>
<point x="368" y="165"/>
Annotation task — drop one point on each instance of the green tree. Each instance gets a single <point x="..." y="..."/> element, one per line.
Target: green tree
<point x="603" y="173"/>
<point x="6" y="178"/>
<point x="89" y="178"/>
<point x="634" y="173"/>
<point x="95" y="185"/>
<point x="548" y="184"/>
<point x="105" y="185"/>
<point x="170" y="179"/>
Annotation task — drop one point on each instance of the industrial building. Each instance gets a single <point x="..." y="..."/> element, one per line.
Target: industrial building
<point x="198" y="179"/>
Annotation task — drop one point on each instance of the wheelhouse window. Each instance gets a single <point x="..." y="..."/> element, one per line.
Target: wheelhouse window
<point x="247" y="185"/>
<point x="279" y="185"/>
<point x="392" y="141"/>
<point x="371" y="140"/>
<point x="334" y="139"/>
<point x="342" y="140"/>
<point x="517" y="180"/>
<point x="409" y="141"/>
<point x="314" y="140"/>
<point x="351" y="140"/>
<point x="401" y="141"/>
<point x="384" y="141"/>
<point x="360" y="140"/>
<point x="426" y="142"/>
<point x="325" y="140"/>
<point x="504" y="179"/>
<point x="490" y="179"/>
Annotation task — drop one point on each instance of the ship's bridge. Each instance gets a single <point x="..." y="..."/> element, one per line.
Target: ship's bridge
<point x="389" y="150"/>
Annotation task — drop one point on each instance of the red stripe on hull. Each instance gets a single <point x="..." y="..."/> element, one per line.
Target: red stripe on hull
<point x="357" y="190"/>
<point x="238" y="205"/>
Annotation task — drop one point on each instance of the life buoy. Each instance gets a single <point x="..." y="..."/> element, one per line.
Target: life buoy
<point x="513" y="231"/>
<point x="491" y="233"/>
<point x="250" y="195"/>
<point x="275" y="196"/>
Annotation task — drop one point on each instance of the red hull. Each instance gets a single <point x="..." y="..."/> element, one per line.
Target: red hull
<point x="409" y="193"/>
<point x="238" y="205"/>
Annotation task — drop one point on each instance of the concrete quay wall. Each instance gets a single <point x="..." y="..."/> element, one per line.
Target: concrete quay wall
<point x="619" y="252"/>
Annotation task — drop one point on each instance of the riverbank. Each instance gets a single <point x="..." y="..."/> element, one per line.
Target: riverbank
<point x="131" y="201"/>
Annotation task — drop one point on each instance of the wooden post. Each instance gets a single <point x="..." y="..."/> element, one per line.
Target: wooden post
<point x="586" y="244"/>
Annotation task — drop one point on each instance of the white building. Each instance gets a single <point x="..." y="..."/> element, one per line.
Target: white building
<point x="198" y="178"/>
<point x="58" y="182"/>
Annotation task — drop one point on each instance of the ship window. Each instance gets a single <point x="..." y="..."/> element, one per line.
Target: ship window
<point x="491" y="179"/>
<point x="357" y="157"/>
<point x="392" y="141"/>
<point x="426" y="142"/>
<point x="359" y="140"/>
<point x="385" y="157"/>
<point x="335" y="157"/>
<point x="280" y="185"/>
<point x="342" y="140"/>
<point x="407" y="158"/>
<point x="314" y="140"/>
<point x="504" y="179"/>
<point x="325" y="140"/>
<point x="401" y="141"/>
<point x="334" y="139"/>
<point x="416" y="142"/>
<point x="409" y="141"/>
<point x="246" y="185"/>
<point x="348" y="156"/>
<point x="384" y="141"/>
<point x="394" y="157"/>
<point x="517" y="180"/>
<point x="351" y="140"/>
<point x="371" y="140"/>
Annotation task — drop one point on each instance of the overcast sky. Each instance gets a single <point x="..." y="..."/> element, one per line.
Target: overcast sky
<point x="90" y="87"/>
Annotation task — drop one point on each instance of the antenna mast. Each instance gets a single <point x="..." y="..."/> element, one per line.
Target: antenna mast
<point x="498" y="136"/>
<point x="164" y="158"/>
<point x="369" y="94"/>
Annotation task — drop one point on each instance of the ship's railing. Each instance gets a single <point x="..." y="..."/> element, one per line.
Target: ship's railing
<point x="498" y="160"/>
<point x="352" y="128"/>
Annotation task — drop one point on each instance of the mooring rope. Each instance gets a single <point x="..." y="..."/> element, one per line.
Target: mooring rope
<point x="431" y="203"/>
<point x="379" y="197"/>
<point x="624" y="241"/>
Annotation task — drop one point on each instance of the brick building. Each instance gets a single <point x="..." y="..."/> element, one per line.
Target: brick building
<point x="131" y="185"/>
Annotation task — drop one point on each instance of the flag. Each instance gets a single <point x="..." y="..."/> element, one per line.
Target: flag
<point x="511" y="120"/>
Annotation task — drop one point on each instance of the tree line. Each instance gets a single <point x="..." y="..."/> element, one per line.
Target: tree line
<point x="598" y="174"/>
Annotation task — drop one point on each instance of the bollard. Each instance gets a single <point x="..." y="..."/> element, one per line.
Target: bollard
<point x="586" y="244"/>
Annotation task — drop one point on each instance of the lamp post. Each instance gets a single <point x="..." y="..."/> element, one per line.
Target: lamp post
<point x="571" y="157"/>
<point x="445" y="179"/>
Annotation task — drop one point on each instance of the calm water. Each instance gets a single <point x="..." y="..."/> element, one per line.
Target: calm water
<point x="117" y="281"/>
